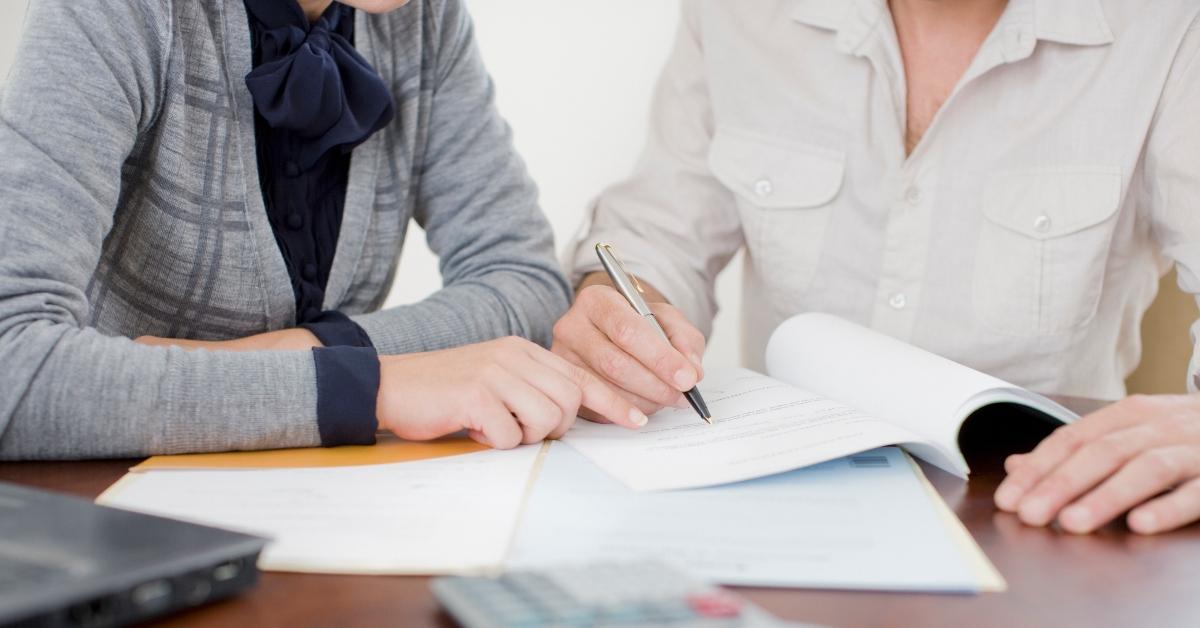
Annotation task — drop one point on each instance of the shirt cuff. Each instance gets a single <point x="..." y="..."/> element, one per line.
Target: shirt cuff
<point x="347" y="387"/>
<point x="335" y="329"/>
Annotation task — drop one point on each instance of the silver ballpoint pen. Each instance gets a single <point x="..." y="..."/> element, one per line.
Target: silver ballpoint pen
<point x="629" y="288"/>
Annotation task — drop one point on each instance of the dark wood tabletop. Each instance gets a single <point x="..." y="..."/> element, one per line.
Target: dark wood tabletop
<point x="1111" y="578"/>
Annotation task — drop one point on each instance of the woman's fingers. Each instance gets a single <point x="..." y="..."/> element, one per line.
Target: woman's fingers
<point x="494" y="422"/>
<point x="563" y="393"/>
<point x="522" y="385"/>
<point x="594" y="394"/>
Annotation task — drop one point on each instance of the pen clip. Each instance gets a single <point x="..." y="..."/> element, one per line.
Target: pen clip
<point x="625" y="280"/>
<point x="612" y="253"/>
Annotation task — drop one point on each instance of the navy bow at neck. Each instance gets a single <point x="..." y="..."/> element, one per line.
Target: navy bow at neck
<point x="309" y="79"/>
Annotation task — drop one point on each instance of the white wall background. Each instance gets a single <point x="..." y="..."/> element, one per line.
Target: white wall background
<point x="574" y="80"/>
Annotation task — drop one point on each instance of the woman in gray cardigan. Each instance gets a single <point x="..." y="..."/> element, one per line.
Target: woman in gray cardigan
<point x="229" y="183"/>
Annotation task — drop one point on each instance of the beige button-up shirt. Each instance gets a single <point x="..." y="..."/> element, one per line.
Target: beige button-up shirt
<point x="1025" y="234"/>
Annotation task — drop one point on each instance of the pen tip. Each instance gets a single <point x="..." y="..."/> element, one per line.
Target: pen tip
<point x="709" y="419"/>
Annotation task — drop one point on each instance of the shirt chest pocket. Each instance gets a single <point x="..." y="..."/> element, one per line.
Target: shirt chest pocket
<point x="784" y="193"/>
<point x="1043" y="249"/>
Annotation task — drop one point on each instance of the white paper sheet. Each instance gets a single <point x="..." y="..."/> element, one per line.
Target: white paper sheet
<point x="897" y="382"/>
<point x="863" y="522"/>
<point x="762" y="427"/>
<point x="446" y="515"/>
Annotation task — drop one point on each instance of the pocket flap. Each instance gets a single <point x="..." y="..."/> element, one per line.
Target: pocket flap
<point x="775" y="174"/>
<point x="1051" y="203"/>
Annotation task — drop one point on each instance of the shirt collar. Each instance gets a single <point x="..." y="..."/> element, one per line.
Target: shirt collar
<point x="1075" y="22"/>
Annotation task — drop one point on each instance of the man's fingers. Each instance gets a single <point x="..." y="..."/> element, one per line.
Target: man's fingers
<point x="1173" y="510"/>
<point x="1065" y="441"/>
<point x="1147" y="475"/>
<point x="683" y="335"/>
<point x="638" y="338"/>
<point x="645" y="405"/>
<point x="611" y="362"/>
<point x="1090" y="465"/>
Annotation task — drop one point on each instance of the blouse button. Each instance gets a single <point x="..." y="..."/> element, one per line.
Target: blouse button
<point x="295" y="221"/>
<point x="1041" y="224"/>
<point x="309" y="271"/>
<point x="763" y="187"/>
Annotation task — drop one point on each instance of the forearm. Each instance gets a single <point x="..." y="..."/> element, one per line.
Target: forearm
<point x="78" y="394"/>
<point x="475" y="310"/>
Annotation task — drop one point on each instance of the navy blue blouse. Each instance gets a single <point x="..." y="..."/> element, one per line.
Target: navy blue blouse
<point x="315" y="99"/>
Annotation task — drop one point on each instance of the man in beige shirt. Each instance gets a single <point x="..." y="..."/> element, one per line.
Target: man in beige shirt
<point x="1001" y="183"/>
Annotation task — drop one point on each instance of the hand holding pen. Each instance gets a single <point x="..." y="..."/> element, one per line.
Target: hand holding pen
<point x="604" y="333"/>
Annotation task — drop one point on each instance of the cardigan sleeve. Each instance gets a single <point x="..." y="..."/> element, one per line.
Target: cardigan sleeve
<point x="479" y="210"/>
<point x="86" y="82"/>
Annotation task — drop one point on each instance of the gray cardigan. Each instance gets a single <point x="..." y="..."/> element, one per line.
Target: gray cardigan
<point x="130" y="205"/>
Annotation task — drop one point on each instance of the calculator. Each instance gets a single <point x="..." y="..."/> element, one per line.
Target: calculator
<point x="616" y="594"/>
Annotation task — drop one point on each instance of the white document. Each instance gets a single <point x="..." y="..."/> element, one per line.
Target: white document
<point x="869" y="521"/>
<point x="446" y="515"/>
<point x="762" y="427"/>
<point x="834" y="388"/>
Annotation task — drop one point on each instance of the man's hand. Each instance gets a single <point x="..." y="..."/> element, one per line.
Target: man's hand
<point x="504" y="392"/>
<point x="602" y="334"/>
<point x="1142" y="453"/>
<point x="297" y="339"/>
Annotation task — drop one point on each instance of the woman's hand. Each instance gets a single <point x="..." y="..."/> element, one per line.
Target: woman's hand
<point x="297" y="339"/>
<point x="504" y="392"/>
<point x="1142" y="453"/>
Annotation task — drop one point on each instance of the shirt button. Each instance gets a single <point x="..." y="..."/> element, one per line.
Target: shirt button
<point x="912" y="195"/>
<point x="763" y="187"/>
<point x="291" y="169"/>
<point x="898" y="301"/>
<point x="295" y="221"/>
<point x="1041" y="224"/>
<point x="309" y="271"/>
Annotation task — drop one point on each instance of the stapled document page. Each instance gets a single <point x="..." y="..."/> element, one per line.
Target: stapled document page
<point x="762" y="427"/>
<point x="867" y="521"/>
<point x="454" y="514"/>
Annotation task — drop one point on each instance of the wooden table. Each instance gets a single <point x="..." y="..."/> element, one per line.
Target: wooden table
<point x="1112" y="578"/>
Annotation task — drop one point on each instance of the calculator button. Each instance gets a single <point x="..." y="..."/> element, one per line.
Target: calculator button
<point x="715" y="605"/>
<point x="624" y="614"/>
<point x="670" y="611"/>
<point x="523" y="618"/>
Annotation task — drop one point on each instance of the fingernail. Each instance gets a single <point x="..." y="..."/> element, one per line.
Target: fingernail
<point x="1077" y="519"/>
<point x="637" y="418"/>
<point x="1143" y="522"/>
<point x="1036" y="511"/>
<point x="1007" y="496"/>
<point x="684" y="379"/>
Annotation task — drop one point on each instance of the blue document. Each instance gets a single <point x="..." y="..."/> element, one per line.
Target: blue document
<point x="868" y="521"/>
